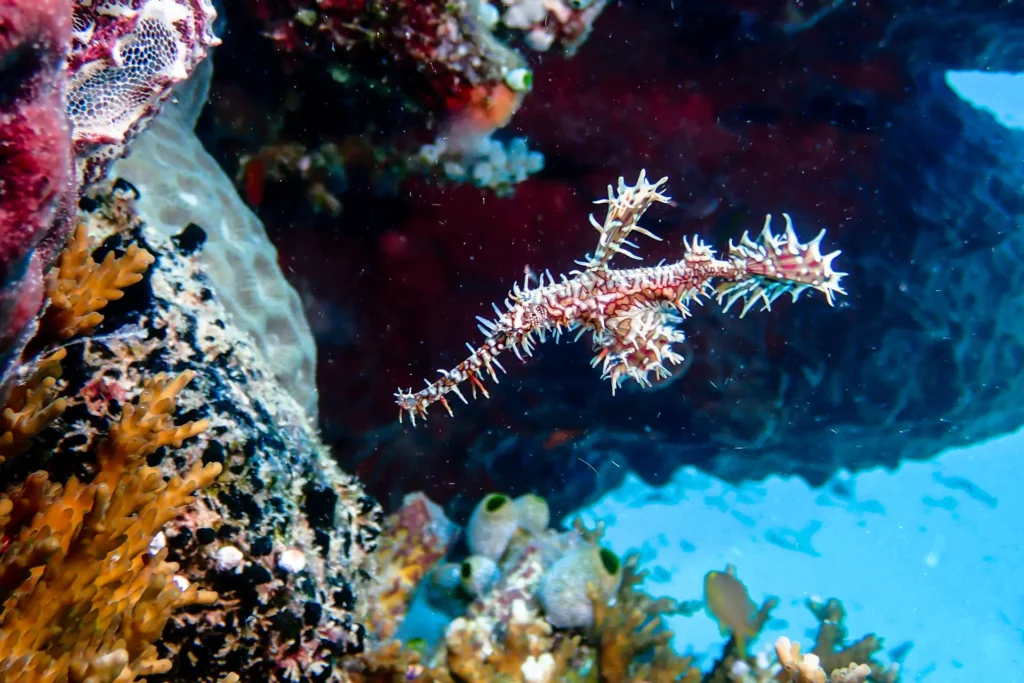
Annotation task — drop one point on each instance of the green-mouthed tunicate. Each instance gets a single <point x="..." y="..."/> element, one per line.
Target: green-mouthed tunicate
<point x="563" y="589"/>
<point x="491" y="526"/>
<point x="488" y="15"/>
<point x="478" y="574"/>
<point x="610" y="561"/>
<point x="520" y="80"/>
<point x="533" y="513"/>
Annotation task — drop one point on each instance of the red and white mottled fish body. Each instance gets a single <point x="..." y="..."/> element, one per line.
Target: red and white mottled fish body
<point x="633" y="314"/>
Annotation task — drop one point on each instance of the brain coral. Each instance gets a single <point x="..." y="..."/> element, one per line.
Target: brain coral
<point x="180" y="184"/>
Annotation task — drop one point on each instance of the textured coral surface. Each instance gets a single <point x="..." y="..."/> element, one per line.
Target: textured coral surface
<point x="182" y="185"/>
<point x="126" y="57"/>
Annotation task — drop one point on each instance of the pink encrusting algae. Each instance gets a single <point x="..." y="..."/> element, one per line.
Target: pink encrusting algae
<point x="633" y="314"/>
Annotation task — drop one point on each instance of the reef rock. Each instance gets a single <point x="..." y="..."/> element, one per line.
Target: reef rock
<point x="283" y="535"/>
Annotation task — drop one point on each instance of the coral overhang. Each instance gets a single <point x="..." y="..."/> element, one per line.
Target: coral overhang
<point x="633" y="314"/>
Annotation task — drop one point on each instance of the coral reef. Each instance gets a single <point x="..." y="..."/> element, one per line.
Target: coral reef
<point x="86" y="589"/>
<point x="632" y="314"/>
<point x="417" y="88"/>
<point x="282" y="537"/>
<point x="167" y="506"/>
<point x="752" y="107"/>
<point x="506" y="633"/>
<point x="84" y="79"/>
<point x="439" y="56"/>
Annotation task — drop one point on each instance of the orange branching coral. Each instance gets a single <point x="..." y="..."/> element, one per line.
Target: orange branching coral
<point x="801" y="668"/>
<point x="79" y="287"/>
<point x="30" y="406"/>
<point x="830" y="645"/>
<point x="84" y="590"/>
<point x="633" y="630"/>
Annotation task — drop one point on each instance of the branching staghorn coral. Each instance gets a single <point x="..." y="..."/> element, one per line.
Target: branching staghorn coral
<point x="831" y="661"/>
<point x="634" y="642"/>
<point x="834" y="652"/>
<point x="79" y="287"/>
<point x="31" y="405"/>
<point x="84" y="591"/>
<point x="801" y="668"/>
<point x="632" y="314"/>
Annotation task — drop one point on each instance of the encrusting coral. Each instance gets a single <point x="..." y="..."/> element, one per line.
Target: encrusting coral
<point x="633" y="314"/>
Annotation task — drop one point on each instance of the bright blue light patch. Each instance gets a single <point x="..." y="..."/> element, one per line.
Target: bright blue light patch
<point x="1001" y="94"/>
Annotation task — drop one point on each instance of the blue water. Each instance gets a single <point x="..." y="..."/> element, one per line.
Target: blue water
<point x="929" y="555"/>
